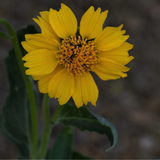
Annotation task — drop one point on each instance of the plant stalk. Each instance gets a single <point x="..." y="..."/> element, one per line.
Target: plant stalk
<point x="29" y="87"/>
<point x="47" y="128"/>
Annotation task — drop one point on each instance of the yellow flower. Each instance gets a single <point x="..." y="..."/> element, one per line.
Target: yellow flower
<point x="62" y="56"/>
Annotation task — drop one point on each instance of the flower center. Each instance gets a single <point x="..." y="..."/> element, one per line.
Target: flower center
<point x="77" y="55"/>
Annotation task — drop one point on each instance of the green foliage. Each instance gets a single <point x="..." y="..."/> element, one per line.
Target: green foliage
<point x="83" y="119"/>
<point x="14" y="119"/>
<point x="62" y="148"/>
<point x="13" y="116"/>
<point x="5" y="36"/>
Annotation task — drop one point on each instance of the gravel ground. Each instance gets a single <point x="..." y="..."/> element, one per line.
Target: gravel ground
<point x="131" y="104"/>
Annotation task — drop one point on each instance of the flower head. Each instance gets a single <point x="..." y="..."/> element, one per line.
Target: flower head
<point x="62" y="56"/>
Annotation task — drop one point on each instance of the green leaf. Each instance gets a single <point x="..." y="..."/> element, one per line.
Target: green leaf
<point x="83" y="119"/>
<point x="23" y="149"/>
<point x="14" y="119"/>
<point x="15" y="108"/>
<point x="78" y="155"/>
<point x="5" y="36"/>
<point x="62" y="148"/>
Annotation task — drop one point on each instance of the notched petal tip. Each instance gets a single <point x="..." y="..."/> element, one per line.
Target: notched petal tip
<point x="63" y="5"/>
<point x="126" y="69"/>
<point x="125" y="37"/>
<point x="63" y="22"/>
<point x="124" y="75"/>
<point x="85" y="90"/>
<point x="121" y="26"/>
<point x="22" y="43"/>
<point x="25" y="64"/>
<point x="52" y="10"/>
<point x="44" y="14"/>
<point x="131" y="46"/>
<point x="90" y="9"/>
<point x="24" y="58"/>
<point x="94" y="104"/>
<point x="111" y="38"/>
<point x="28" y="72"/>
<point x="91" y="23"/>
<point x="79" y="106"/>
<point x="98" y="10"/>
<point x="131" y="57"/>
<point x="106" y="11"/>
<point x="35" y="19"/>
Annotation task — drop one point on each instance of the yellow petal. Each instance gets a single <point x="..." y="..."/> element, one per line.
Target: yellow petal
<point x="44" y="80"/>
<point x="45" y="15"/>
<point x="43" y="83"/>
<point x="85" y="90"/>
<point x="37" y="77"/>
<point x="108" y="75"/>
<point x="60" y="86"/>
<point x="63" y="22"/>
<point x="77" y="96"/>
<point x="108" y="69"/>
<point x="28" y="47"/>
<point x="119" y="51"/>
<point x="119" y="55"/>
<point x="91" y="23"/>
<point x="40" y="62"/>
<point x="110" y="38"/>
<point x="41" y="38"/>
<point x="38" y="41"/>
<point x="45" y="26"/>
<point x="120" y="59"/>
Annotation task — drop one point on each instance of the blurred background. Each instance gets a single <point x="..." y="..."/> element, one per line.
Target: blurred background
<point x="131" y="104"/>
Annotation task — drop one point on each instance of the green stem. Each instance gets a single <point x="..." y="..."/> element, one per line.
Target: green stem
<point x="54" y="119"/>
<point x="47" y="128"/>
<point x="29" y="87"/>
